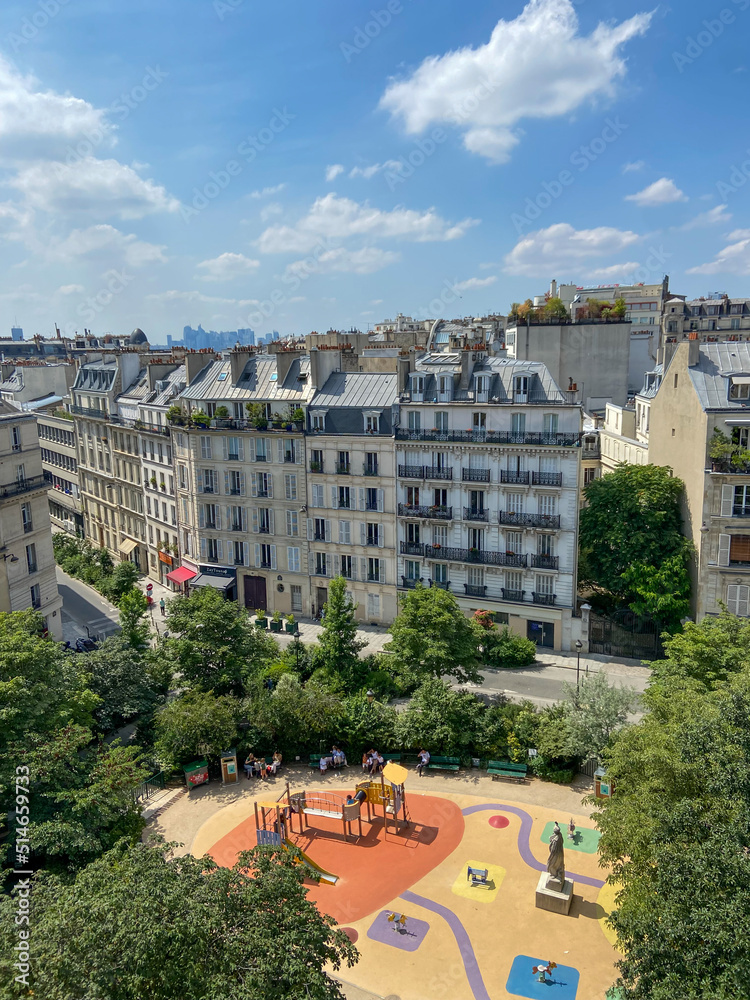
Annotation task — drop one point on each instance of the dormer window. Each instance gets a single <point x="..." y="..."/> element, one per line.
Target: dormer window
<point x="318" y="419"/>
<point x="739" y="388"/>
<point x="417" y="388"/>
<point x="482" y="385"/>
<point x="521" y="389"/>
<point x="445" y="388"/>
<point x="372" y="422"/>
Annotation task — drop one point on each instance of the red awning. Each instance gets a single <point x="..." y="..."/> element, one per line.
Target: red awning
<point x="181" y="575"/>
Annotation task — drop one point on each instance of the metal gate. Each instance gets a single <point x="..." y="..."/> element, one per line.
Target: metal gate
<point x="624" y="633"/>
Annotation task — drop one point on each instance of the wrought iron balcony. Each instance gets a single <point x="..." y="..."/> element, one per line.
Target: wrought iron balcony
<point x="314" y="466"/>
<point x="559" y="440"/>
<point x="447" y="553"/>
<point x="513" y="595"/>
<point x="739" y="511"/>
<point x="473" y="591"/>
<point x="412" y="548"/>
<point x="548" y="600"/>
<point x="410" y="584"/>
<point x="441" y="584"/>
<point x="515" y="478"/>
<point x="545" y="562"/>
<point x="89" y="411"/>
<point x="437" y="513"/>
<point x="437" y="472"/>
<point x="23" y="486"/>
<point x="411" y="472"/>
<point x="320" y="536"/>
<point x="546" y="478"/>
<point x="475" y="475"/>
<point x="342" y="469"/>
<point x="533" y="520"/>
<point x="370" y="470"/>
<point x="476" y="514"/>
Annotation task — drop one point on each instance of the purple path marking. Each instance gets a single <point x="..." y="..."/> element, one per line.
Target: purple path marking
<point x="471" y="966"/>
<point x="524" y="839"/>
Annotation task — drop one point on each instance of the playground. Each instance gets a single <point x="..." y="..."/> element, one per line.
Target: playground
<point x="436" y="886"/>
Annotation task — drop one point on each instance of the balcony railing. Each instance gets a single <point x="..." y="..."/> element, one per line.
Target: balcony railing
<point x="412" y="548"/>
<point x="235" y="527"/>
<point x="727" y="469"/>
<point x="89" y="411"/>
<point x="342" y="469"/>
<point x="437" y="472"/>
<point x="514" y="478"/>
<point x="476" y="514"/>
<point x="346" y="504"/>
<point x="441" y="584"/>
<point x="434" y="513"/>
<point x="559" y="440"/>
<point x="471" y="590"/>
<point x="546" y="478"/>
<point x="370" y="470"/>
<point x="739" y="511"/>
<point x="411" y="472"/>
<point x="23" y="486"/>
<point x="545" y="562"/>
<point x="408" y="583"/>
<point x="316" y="466"/>
<point x="533" y="520"/>
<point x="320" y="536"/>
<point x="447" y="553"/>
<point x="371" y="505"/>
<point x="475" y="475"/>
<point x="264" y="529"/>
<point x="548" y="600"/>
<point x="512" y="595"/>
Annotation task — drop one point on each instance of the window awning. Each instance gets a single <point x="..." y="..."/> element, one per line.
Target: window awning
<point x="181" y="575"/>
<point x="207" y="580"/>
<point x="126" y="547"/>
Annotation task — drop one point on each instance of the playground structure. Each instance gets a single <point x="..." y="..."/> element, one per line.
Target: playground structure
<point x="391" y="796"/>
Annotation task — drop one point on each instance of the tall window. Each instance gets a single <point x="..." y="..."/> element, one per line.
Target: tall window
<point x="31" y="558"/>
<point x="441" y="421"/>
<point x="293" y="560"/>
<point x="346" y="568"/>
<point x="26" y="518"/>
<point x="205" y="447"/>
<point x="15" y="438"/>
<point x="292" y="523"/>
<point x="412" y="569"/>
<point x="373" y="605"/>
<point x="373" y="571"/>
<point x="36" y="597"/>
<point x="290" y="486"/>
<point x="321" y="564"/>
<point x="414" y="420"/>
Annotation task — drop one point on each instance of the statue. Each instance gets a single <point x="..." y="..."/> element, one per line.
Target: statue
<point x="556" y="860"/>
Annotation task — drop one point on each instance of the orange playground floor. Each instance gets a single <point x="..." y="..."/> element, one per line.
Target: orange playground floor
<point x="458" y="941"/>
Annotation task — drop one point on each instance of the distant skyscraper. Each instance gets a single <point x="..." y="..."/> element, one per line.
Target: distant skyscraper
<point x="246" y="336"/>
<point x="16" y="333"/>
<point x="169" y="341"/>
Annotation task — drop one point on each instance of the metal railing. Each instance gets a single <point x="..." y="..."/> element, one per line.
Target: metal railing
<point x="89" y="411"/>
<point x="739" y="511"/>
<point x="475" y="475"/>
<point x="145" y="789"/>
<point x="370" y="470"/>
<point x="437" y="472"/>
<point x="409" y="583"/>
<point x="515" y="478"/>
<point x="415" y="510"/>
<point x="559" y="440"/>
<point x="533" y="520"/>
<point x="441" y="584"/>
<point x="452" y="554"/>
<point x="342" y="470"/>
<point x="23" y="486"/>
<point x="476" y="514"/>
<point x="548" y="600"/>
<point x="546" y="478"/>
<point x="512" y="595"/>
<point x="545" y="562"/>
<point x="411" y="472"/>
<point x="472" y="590"/>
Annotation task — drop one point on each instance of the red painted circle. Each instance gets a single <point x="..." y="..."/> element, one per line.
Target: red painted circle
<point x="351" y="934"/>
<point x="499" y="822"/>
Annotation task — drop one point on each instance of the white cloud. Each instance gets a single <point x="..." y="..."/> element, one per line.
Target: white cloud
<point x="535" y="66"/>
<point x="471" y="283"/>
<point x="93" y="187"/>
<point x="563" y="249"/>
<point x="633" y="167"/>
<point x="266" y="192"/>
<point x="375" y="168"/>
<point x="364" y="261"/>
<point x="104" y="240"/>
<point x="42" y="124"/>
<point x="227" y="267"/>
<point x="733" y="259"/>
<point x="738" y="234"/>
<point x="198" y="298"/>
<point x="268" y="211"/>
<point x="610" y="273"/>
<point x="661" y="192"/>
<point x="333" y="171"/>
<point x="332" y="217"/>
<point x="71" y="289"/>
<point x="376" y="302"/>
<point x="713" y="217"/>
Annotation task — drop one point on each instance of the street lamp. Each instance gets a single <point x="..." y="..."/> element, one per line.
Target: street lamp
<point x="297" y="634"/>
<point x="370" y="696"/>
<point x="579" y="647"/>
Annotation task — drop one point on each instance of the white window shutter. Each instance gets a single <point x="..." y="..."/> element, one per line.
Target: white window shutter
<point x="363" y="569"/>
<point x="342" y="532"/>
<point x="270" y="486"/>
<point x="328" y="530"/>
<point x="251" y="448"/>
<point x="310" y="564"/>
<point x="724" y="543"/>
<point x="244" y="518"/>
<point x="290" y="559"/>
<point x="219" y="550"/>
<point x="225" y="444"/>
<point x="743" y="593"/>
<point x="257" y="556"/>
<point x="727" y="500"/>
<point x="203" y="547"/>
<point x="254" y="483"/>
<point x="362" y="534"/>
<point x="273" y="556"/>
<point x="243" y="487"/>
<point x="218" y="517"/>
<point x="362" y="499"/>
<point x="271" y="522"/>
<point x="201" y="516"/>
<point x="255" y="521"/>
<point x="309" y="529"/>
<point x="245" y="553"/>
<point x="280" y="451"/>
<point x="382" y="571"/>
<point x="298" y="451"/>
<point x="241" y="449"/>
<point x="336" y="565"/>
<point x="381" y="536"/>
<point x="199" y="481"/>
<point x="381" y="500"/>
<point x="334" y="497"/>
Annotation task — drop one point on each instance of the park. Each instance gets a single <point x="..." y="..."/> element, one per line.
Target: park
<point x="433" y="878"/>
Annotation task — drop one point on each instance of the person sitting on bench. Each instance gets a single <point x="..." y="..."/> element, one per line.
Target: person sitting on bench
<point x="424" y="760"/>
<point x="338" y="757"/>
<point x="249" y="765"/>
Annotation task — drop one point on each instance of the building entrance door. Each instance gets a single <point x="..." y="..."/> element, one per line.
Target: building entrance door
<point x="321" y="598"/>
<point x="542" y="633"/>
<point x="255" y="593"/>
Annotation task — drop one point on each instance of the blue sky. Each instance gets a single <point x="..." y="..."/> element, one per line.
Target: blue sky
<point x="299" y="166"/>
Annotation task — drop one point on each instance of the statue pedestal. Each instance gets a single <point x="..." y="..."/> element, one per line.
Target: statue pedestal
<point x="550" y="897"/>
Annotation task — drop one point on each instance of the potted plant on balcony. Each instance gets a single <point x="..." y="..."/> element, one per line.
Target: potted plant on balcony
<point x="175" y="415"/>
<point x="152" y="480"/>
<point x="163" y="485"/>
<point x="473" y="553"/>
<point x="276" y="421"/>
<point x="298" y="418"/>
<point x="200" y="419"/>
<point x="316" y="466"/>
<point x="276" y="622"/>
<point x="256" y="414"/>
<point x="291" y="624"/>
<point x="437" y="545"/>
<point x="260" y="619"/>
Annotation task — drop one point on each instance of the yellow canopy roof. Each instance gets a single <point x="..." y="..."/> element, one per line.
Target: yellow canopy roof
<point x="394" y="773"/>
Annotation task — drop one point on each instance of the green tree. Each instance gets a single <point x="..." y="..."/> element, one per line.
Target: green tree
<point x="120" y="581"/>
<point x="295" y="718"/>
<point x="594" y="713"/>
<point x="338" y="646"/>
<point x="499" y="647"/>
<point x="119" y="675"/>
<point x="702" y="657"/>
<point x="363" y="725"/>
<point x="620" y="308"/>
<point x="199" y="724"/>
<point x="140" y="922"/>
<point x="214" y="644"/>
<point x="432" y="636"/>
<point x="441" y="719"/>
<point x="554" y="308"/>
<point x="631" y="543"/>
<point x="134" y="618"/>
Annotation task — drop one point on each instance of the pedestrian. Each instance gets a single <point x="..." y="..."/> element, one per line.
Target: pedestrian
<point x="162" y="605"/>
<point x="424" y="760"/>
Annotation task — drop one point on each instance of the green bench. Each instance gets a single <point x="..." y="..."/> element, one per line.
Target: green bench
<point x="395" y="757"/>
<point x="444" y="763"/>
<point x="315" y="759"/>
<point x="507" y="769"/>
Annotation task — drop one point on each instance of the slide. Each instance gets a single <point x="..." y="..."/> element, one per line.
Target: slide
<point x="326" y="877"/>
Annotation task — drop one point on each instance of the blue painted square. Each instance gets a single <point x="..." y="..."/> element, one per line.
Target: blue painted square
<point x="407" y="938"/>
<point x="561" y="985"/>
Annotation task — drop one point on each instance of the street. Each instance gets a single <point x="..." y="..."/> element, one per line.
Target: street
<point x="82" y="607"/>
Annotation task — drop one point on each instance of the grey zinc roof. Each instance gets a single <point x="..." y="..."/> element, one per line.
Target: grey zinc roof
<point x="501" y="371"/>
<point x="139" y="391"/>
<point x="710" y="376"/>
<point x="357" y="390"/>
<point x="255" y="381"/>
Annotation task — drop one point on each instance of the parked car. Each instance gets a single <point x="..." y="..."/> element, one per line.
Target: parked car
<point x="86" y="644"/>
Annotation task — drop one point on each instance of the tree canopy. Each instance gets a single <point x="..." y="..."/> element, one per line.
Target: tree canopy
<point x="338" y="646"/>
<point x="631" y="543"/>
<point x="433" y="637"/>
<point x="198" y="724"/>
<point x="139" y="922"/>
